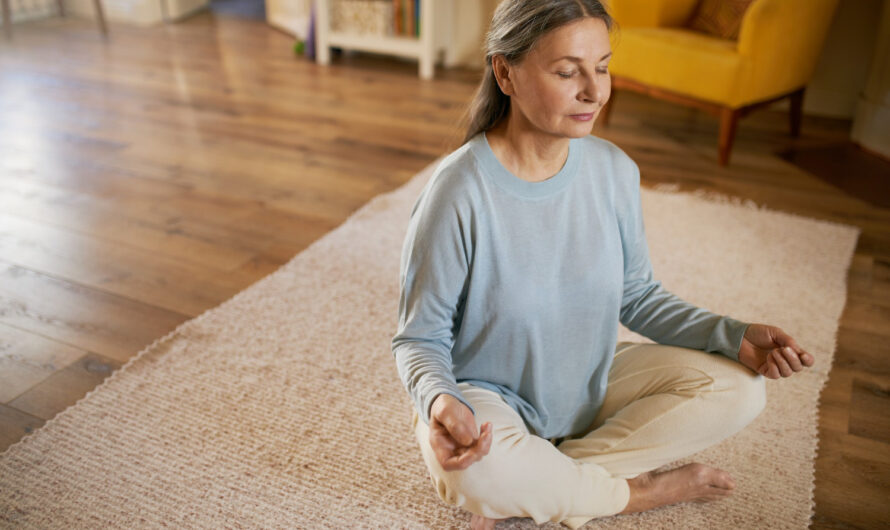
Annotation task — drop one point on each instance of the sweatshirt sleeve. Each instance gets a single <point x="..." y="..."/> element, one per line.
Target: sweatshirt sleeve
<point x="433" y="274"/>
<point x="650" y="310"/>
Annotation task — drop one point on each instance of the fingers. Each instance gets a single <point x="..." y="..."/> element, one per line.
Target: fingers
<point x="464" y="456"/>
<point x="807" y="359"/>
<point x="459" y="430"/>
<point x="792" y="359"/>
<point x="455" y="418"/>
<point x="787" y="341"/>
<point x="784" y="362"/>
<point x="787" y="357"/>
<point x="453" y="435"/>
<point x="781" y="363"/>
<point x="769" y="369"/>
<point x="441" y="442"/>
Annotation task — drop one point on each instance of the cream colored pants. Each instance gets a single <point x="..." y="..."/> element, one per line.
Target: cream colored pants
<point x="662" y="403"/>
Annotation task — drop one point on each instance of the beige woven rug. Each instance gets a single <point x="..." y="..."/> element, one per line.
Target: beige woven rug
<point x="282" y="408"/>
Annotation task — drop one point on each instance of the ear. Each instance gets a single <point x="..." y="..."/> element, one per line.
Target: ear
<point x="503" y="74"/>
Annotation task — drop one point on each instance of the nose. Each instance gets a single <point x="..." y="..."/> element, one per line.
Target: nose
<point x="592" y="90"/>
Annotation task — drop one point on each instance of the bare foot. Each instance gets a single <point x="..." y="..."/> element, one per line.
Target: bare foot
<point x="692" y="482"/>
<point x="477" y="522"/>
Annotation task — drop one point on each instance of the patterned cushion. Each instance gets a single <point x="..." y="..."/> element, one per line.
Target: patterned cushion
<point x="721" y="18"/>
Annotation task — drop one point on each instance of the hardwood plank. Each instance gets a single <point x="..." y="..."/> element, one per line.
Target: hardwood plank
<point x="862" y="315"/>
<point x="217" y="217"/>
<point x="846" y="167"/>
<point x="82" y="214"/>
<point x="14" y="425"/>
<point x="78" y="316"/>
<point x="26" y="359"/>
<point x="65" y="387"/>
<point x="857" y="468"/>
<point x="173" y="285"/>
<point x="862" y="351"/>
<point x="870" y="411"/>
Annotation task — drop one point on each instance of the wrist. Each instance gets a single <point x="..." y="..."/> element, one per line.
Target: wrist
<point x="443" y="397"/>
<point x="435" y="403"/>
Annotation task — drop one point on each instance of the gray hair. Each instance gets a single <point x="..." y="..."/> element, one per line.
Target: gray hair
<point x="516" y="27"/>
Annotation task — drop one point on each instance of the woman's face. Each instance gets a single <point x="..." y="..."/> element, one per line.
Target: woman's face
<point x="563" y="82"/>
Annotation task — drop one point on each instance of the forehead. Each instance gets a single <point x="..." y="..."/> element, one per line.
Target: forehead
<point x="587" y="38"/>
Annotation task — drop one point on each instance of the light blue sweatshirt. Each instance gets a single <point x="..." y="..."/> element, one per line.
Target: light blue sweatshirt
<point x="518" y="287"/>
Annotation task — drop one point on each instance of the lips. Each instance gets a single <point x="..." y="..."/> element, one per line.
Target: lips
<point x="582" y="117"/>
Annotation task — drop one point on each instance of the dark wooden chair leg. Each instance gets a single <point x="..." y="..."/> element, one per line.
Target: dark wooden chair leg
<point x="729" y="119"/>
<point x="796" y="111"/>
<point x="100" y="17"/>
<point x="603" y="117"/>
<point x="7" y="19"/>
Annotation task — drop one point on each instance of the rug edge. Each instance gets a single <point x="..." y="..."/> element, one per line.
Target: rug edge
<point x="848" y="262"/>
<point x="672" y="188"/>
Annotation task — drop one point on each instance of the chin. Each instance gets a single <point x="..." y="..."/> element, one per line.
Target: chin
<point x="581" y="130"/>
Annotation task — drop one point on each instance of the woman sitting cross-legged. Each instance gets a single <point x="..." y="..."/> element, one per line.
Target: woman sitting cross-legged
<point x="524" y="251"/>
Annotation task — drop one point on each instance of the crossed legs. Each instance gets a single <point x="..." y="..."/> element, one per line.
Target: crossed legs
<point x="662" y="403"/>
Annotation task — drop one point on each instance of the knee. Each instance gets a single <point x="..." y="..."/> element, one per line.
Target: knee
<point x="480" y="487"/>
<point x="745" y="396"/>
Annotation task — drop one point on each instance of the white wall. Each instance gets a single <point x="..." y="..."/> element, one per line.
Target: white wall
<point x="467" y="34"/>
<point x="843" y="67"/>
<point x="871" y="125"/>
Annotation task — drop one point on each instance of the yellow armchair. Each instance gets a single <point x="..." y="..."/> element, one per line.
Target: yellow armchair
<point x="774" y="58"/>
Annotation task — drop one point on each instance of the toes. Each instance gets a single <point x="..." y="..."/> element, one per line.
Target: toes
<point x="713" y="494"/>
<point x="726" y="481"/>
<point x="479" y="522"/>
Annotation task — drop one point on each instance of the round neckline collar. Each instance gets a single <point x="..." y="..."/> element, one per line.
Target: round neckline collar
<point x="524" y="188"/>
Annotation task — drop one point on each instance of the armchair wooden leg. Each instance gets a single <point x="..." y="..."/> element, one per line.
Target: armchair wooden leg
<point x="7" y="19"/>
<point x="729" y="119"/>
<point x="796" y="111"/>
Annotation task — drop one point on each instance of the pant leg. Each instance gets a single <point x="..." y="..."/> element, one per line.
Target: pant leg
<point x="664" y="403"/>
<point x="523" y="475"/>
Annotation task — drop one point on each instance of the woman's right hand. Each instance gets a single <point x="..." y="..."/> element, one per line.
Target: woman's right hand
<point x="453" y="434"/>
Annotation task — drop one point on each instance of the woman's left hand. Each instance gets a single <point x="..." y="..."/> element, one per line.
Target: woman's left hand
<point x="772" y="353"/>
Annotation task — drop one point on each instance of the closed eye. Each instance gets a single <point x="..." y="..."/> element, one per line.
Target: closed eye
<point x="568" y="75"/>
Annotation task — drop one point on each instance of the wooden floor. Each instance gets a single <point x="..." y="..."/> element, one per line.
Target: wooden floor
<point x="149" y="178"/>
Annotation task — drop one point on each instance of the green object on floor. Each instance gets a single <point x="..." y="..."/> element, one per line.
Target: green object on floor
<point x="299" y="47"/>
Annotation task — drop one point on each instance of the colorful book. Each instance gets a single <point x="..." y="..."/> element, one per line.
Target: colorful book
<point x="404" y="17"/>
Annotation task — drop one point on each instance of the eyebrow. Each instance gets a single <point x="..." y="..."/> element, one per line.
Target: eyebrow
<point x="578" y="59"/>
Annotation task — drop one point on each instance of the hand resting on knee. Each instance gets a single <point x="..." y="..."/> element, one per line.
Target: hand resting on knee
<point x="453" y="435"/>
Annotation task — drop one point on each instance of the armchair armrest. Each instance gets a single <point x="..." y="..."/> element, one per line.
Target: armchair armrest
<point x="782" y="39"/>
<point x="650" y="13"/>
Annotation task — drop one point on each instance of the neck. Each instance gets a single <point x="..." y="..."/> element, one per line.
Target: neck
<point x="526" y="152"/>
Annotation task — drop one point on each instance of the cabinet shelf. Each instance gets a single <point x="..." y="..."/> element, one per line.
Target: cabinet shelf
<point x="421" y="48"/>
<point x="392" y="45"/>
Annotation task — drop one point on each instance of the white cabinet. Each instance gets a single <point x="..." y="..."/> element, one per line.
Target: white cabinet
<point x="423" y="48"/>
